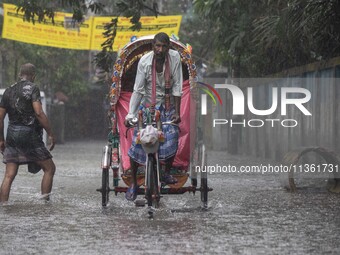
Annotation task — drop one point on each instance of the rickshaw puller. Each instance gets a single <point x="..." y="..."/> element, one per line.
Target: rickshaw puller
<point x="159" y="83"/>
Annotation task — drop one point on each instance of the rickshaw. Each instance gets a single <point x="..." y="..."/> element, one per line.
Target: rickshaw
<point x="191" y="149"/>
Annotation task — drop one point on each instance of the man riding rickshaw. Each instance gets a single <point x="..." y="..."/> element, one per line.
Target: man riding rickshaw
<point x="158" y="84"/>
<point x="152" y="84"/>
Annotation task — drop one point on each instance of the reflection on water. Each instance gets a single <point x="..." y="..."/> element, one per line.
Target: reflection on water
<point x="248" y="214"/>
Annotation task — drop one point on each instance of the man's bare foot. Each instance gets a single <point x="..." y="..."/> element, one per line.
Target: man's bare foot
<point x="45" y="197"/>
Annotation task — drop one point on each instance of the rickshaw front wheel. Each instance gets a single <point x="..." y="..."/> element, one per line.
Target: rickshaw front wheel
<point x="152" y="194"/>
<point x="105" y="186"/>
<point x="204" y="177"/>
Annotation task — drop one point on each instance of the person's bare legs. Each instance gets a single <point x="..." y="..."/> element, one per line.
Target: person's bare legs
<point x="168" y="164"/>
<point x="168" y="178"/>
<point x="11" y="172"/>
<point x="48" y="167"/>
<point x="134" y="169"/>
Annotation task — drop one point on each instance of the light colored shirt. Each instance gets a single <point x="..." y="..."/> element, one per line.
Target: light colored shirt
<point x="142" y="90"/>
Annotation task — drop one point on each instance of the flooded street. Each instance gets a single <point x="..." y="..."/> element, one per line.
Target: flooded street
<point x="248" y="214"/>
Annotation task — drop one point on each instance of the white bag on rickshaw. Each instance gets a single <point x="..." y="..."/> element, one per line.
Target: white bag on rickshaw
<point x="149" y="139"/>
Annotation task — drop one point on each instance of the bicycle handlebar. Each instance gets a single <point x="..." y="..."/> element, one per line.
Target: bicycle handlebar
<point x="134" y="123"/>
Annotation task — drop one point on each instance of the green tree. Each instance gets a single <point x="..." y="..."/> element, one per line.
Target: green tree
<point x="232" y="23"/>
<point x="65" y="73"/>
<point x="198" y="33"/>
<point x="267" y="36"/>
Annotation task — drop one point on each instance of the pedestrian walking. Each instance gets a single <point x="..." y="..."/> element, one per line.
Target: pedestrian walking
<point x="24" y="141"/>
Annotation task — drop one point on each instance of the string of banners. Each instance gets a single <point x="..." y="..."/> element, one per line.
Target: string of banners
<point x="88" y="35"/>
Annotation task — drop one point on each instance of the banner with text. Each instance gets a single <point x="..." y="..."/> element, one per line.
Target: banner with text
<point x="65" y="33"/>
<point x="150" y="25"/>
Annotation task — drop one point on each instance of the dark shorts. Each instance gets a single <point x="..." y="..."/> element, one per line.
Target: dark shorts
<point x="24" y="145"/>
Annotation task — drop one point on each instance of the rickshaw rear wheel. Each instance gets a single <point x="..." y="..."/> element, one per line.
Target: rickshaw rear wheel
<point x="105" y="187"/>
<point x="204" y="177"/>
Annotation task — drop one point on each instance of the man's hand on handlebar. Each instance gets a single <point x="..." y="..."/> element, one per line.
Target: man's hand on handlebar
<point x="175" y="118"/>
<point x="127" y="123"/>
<point x="130" y="122"/>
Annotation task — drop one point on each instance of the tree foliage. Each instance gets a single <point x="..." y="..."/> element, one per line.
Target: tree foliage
<point x="58" y="69"/>
<point x="40" y="10"/>
<point x="256" y="37"/>
<point x="199" y="34"/>
<point x="267" y="36"/>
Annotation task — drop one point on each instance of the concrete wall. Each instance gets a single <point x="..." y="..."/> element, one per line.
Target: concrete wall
<point x="212" y="138"/>
<point x="320" y="129"/>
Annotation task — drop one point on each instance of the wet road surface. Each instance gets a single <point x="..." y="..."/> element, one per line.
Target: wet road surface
<point x="248" y="214"/>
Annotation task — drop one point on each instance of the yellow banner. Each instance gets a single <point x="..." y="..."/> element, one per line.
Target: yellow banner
<point x="85" y="36"/>
<point x="150" y="25"/>
<point x="63" y="34"/>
